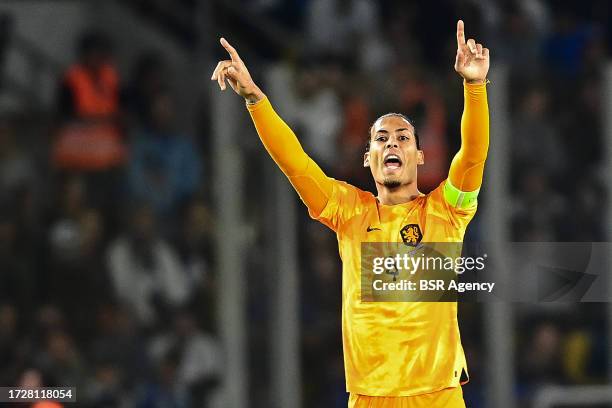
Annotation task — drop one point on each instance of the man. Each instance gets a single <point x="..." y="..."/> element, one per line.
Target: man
<point x="90" y="87"/>
<point x="396" y="354"/>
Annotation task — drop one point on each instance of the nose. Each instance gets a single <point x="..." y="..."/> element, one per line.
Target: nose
<point x="391" y="143"/>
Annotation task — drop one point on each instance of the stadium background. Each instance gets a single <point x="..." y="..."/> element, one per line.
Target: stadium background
<point x="187" y="273"/>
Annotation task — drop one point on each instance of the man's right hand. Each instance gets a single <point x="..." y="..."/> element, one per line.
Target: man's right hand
<point x="237" y="75"/>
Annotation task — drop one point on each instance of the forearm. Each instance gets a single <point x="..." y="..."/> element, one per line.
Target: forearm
<point x="468" y="165"/>
<point x="313" y="186"/>
<point x="278" y="138"/>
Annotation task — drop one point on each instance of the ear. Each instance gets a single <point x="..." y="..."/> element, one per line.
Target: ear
<point x="420" y="157"/>
<point x="366" y="159"/>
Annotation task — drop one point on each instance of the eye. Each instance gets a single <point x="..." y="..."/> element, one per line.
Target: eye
<point x="381" y="138"/>
<point x="404" y="138"/>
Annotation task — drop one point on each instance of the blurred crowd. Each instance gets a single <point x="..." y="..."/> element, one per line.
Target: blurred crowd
<point x="107" y="274"/>
<point x="105" y="241"/>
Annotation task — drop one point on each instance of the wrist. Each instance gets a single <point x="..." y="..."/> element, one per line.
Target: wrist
<point x="254" y="96"/>
<point x="476" y="81"/>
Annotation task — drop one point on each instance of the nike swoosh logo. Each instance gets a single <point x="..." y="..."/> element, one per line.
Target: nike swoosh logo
<point x="370" y="229"/>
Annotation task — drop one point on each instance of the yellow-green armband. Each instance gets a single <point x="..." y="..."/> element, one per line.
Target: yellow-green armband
<point x="458" y="198"/>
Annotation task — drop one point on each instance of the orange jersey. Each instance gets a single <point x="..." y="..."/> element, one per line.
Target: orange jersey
<point x="390" y="348"/>
<point x="395" y="348"/>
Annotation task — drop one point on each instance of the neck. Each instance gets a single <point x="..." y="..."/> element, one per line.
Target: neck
<point x="398" y="195"/>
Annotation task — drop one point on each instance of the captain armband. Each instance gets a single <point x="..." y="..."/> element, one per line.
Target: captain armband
<point x="458" y="198"/>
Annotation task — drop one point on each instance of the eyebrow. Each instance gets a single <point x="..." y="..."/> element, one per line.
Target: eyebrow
<point x="386" y="131"/>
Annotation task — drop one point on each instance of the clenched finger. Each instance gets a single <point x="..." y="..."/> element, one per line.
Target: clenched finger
<point x="231" y="72"/>
<point x="471" y="45"/>
<point x="479" y="50"/>
<point x="221" y="78"/>
<point x="214" y="74"/>
<point x="221" y="74"/>
<point x="221" y="65"/>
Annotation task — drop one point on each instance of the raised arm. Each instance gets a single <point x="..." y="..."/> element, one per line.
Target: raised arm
<point x="313" y="186"/>
<point x="467" y="167"/>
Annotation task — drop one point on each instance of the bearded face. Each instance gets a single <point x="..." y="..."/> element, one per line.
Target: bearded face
<point x="393" y="156"/>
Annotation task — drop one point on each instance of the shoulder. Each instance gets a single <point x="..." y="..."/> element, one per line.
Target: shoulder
<point x="347" y="190"/>
<point x="436" y="195"/>
<point x="344" y="203"/>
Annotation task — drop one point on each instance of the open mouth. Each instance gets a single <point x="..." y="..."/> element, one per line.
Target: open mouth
<point x="392" y="161"/>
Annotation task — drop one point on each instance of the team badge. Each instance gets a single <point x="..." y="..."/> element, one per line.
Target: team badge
<point x="411" y="234"/>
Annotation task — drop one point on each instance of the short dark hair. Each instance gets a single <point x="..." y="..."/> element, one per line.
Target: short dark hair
<point x="401" y="115"/>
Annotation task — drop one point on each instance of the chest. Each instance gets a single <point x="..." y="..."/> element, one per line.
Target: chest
<point x="408" y="224"/>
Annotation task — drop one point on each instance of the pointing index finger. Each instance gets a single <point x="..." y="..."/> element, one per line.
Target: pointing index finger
<point x="231" y="50"/>
<point x="460" y="34"/>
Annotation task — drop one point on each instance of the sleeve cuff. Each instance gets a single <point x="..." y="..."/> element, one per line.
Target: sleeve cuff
<point x="257" y="105"/>
<point x="478" y="88"/>
<point x="477" y="84"/>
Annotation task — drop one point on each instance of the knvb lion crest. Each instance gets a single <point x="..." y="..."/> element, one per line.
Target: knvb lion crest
<point x="411" y="234"/>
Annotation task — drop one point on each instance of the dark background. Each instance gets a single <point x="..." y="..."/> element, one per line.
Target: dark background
<point x="108" y="271"/>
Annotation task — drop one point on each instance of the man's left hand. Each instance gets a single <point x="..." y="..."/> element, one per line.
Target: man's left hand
<point x="472" y="61"/>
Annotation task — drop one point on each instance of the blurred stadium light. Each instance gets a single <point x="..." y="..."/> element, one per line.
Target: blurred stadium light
<point x="498" y="316"/>
<point x="286" y="377"/>
<point x="230" y="244"/>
